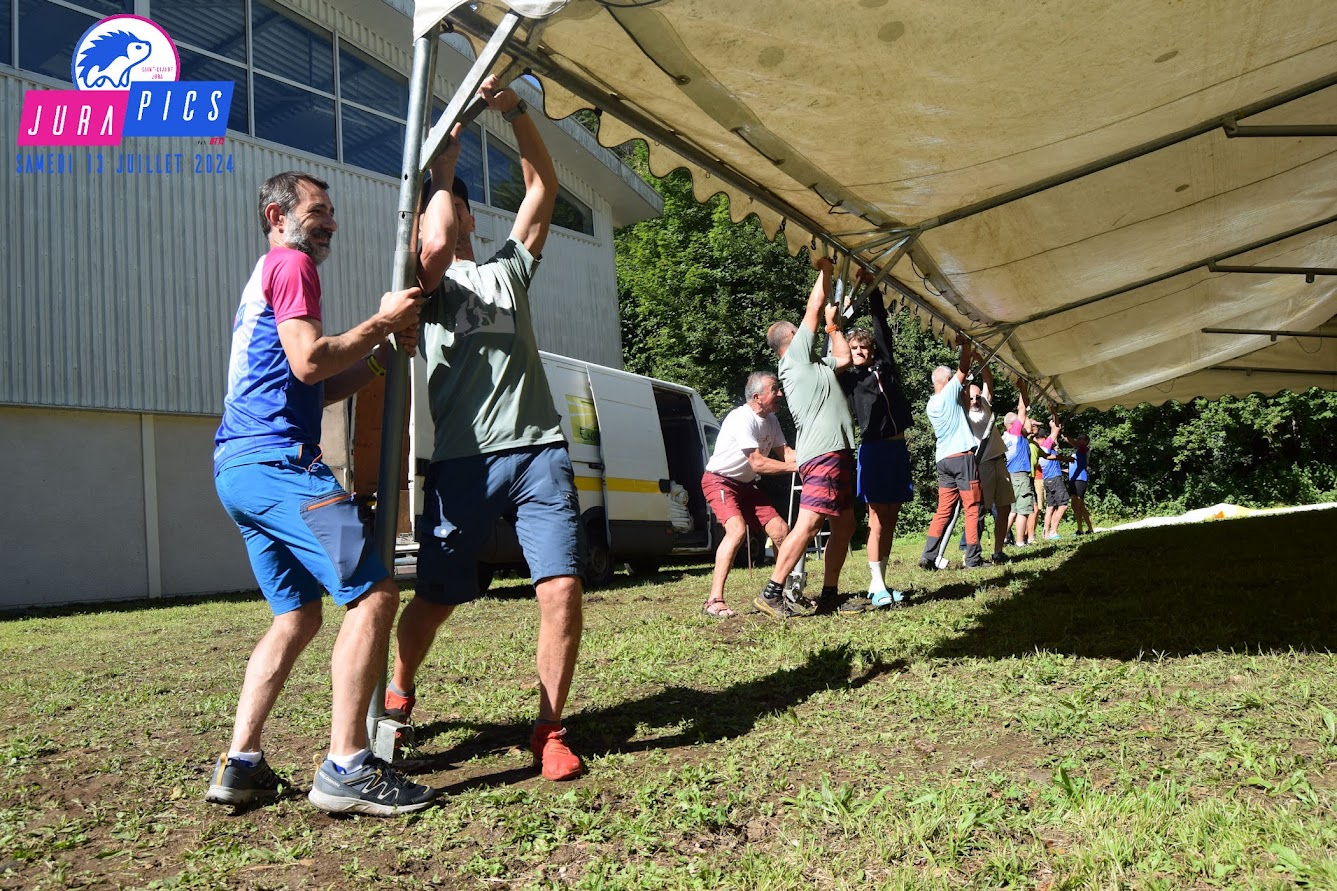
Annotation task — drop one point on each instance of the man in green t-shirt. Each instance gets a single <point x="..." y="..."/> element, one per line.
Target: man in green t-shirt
<point x="499" y="451"/>
<point x="825" y="451"/>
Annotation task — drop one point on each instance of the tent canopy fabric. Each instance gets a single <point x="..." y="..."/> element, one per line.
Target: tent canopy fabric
<point x="1059" y="178"/>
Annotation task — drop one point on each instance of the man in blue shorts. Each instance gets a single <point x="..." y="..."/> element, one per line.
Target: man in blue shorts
<point x="874" y="386"/>
<point x="499" y="451"/>
<point x="825" y="450"/>
<point x="304" y="533"/>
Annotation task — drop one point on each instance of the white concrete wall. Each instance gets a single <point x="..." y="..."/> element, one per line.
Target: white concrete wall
<point x="81" y="511"/>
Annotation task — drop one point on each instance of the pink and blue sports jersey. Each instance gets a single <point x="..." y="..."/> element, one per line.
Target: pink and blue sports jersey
<point x="1050" y="465"/>
<point x="266" y="406"/>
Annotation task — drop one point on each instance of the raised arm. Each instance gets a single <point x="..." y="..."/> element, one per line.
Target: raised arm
<point x="439" y="224"/>
<point x="535" y="213"/>
<point x="840" y="347"/>
<point x="986" y="384"/>
<point x="821" y="291"/>
<point x="967" y="356"/>
<point x="1021" y="401"/>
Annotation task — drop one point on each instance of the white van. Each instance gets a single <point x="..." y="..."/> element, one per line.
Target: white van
<point x="638" y="447"/>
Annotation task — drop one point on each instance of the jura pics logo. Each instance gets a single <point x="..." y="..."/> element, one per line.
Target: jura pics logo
<point x="125" y="69"/>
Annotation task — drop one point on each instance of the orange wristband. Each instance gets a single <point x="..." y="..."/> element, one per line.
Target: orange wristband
<point x="832" y="329"/>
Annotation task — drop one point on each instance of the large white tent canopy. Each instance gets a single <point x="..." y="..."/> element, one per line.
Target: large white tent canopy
<point x="1057" y="179"/>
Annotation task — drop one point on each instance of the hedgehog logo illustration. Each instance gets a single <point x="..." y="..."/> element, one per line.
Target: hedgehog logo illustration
<point x="110" y="59"/>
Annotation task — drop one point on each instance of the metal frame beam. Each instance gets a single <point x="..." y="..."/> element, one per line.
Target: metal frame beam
<point x="1200" y="129"/>
<point x="1180" y="270"/>
<point x="1309" y="272"/>
<point x="1248" y="369"/>
<point x="1273" y="333"/>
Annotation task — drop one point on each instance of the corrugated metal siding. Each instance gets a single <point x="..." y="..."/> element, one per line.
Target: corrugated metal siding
<point x="121" y="289"/>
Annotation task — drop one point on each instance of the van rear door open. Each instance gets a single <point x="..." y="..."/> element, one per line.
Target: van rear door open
<point x="635" y="475"/>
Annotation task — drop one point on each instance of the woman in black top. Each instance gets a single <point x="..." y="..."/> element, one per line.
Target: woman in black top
<point x="873" y="384"/>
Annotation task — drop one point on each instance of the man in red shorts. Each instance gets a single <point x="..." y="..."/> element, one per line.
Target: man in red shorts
<point x="744" y="451"/>
<point x="825" y="453"/>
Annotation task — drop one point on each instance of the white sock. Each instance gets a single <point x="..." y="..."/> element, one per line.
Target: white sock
<point x="349" y="763"/>
<point x="877" y="583"/>
<point x="251" y="758"/>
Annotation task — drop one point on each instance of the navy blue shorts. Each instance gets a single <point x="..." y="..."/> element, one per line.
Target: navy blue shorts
<point x="534" y="488"/>
<point x="303" y="532"/>
<point x="884" y="472"/>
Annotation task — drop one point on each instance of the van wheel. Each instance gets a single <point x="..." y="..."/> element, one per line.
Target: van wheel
<point x="599" y="560"/>
<point x="485" y="573"/>
<point x="644" y="567"/>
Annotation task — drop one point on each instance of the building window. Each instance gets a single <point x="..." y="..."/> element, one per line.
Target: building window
<point x="289" y="48"/>
<point x="372" y="141"/>
<point x="6" y="32"/>
<point x="294" y="116"/>
<point x="572" y="213"/>
<point x="506" y="184"/>
<point x="216" y="27"/>
<point x="49" y="35"/>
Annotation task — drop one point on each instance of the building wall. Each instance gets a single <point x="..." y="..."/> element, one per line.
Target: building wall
<point x="77" y="526"/>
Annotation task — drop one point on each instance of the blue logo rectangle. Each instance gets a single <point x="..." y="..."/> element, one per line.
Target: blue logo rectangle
<point x="178" y="108"/>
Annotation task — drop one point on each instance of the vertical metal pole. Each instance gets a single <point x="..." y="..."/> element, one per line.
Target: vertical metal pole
<point x="382" y="731"/>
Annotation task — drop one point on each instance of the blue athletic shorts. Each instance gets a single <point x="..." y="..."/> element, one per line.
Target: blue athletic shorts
<point x="884" y="472"/>
<point x="534" y="488"/>
<point x="303" y="532"/>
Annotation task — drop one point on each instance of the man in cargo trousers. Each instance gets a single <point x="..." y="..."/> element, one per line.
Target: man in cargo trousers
<point x="303" y="532"/>
<point x="499" y="451"/>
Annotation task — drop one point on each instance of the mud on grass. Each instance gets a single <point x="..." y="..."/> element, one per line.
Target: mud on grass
<point x="1149" y="709"/>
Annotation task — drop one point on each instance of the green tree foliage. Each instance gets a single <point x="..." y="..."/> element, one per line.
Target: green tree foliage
<point x="698" y="291"/>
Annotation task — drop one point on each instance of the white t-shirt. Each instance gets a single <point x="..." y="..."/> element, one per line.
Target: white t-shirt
<point x="743" y="429"/>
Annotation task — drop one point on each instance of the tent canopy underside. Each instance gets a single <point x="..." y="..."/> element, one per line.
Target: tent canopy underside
<point x="1063" y="170"/>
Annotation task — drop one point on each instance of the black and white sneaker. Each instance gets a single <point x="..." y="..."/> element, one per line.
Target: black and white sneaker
<point x="375" y="788"/>
<point x="240" y="783"/>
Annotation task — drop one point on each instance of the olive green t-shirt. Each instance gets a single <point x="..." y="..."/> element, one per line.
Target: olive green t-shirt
<point x="485" y="380"/>
<point x="815" y="399"/>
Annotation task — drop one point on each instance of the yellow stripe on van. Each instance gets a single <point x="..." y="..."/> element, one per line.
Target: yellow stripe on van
<point x="618" y="484"/>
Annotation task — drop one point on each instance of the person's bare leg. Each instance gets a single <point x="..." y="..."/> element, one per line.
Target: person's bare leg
<point x="837" y="547"/>
<point x="267" y="670"/>
<point x="795" y="543"/>
<point x="358" y="663"/>
<point x="999" y="535"/>
<point x="561" y="622"/>
<point x="414" y="635"/>
<point x="735" y="531"/>
<point x="777" y="530"/>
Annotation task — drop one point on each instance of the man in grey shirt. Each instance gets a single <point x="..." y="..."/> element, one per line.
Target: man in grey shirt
<point x="825" y="451"/>
<point x="499" y="450"/>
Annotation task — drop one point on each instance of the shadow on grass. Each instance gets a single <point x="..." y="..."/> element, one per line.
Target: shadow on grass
<point x="696" y="716"/>
<point x="1258" y="583"/>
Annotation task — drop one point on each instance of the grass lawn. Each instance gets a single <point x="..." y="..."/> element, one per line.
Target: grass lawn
<point x="1143" y="709"/>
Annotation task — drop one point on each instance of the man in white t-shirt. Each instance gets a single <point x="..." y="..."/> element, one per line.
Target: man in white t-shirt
<point x="748" y="438"/>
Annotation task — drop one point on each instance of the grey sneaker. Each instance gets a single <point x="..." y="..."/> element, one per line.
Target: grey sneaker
<point x="375" y="788"/>
<point x="240" y="783"/>
<point x="778" y="607"/>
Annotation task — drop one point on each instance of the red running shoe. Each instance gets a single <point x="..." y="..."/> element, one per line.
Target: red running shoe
<point x="548" y="743"/>
<point x="398" y="706"/>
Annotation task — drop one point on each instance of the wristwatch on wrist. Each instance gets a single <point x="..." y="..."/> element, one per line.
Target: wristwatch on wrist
<point x="520" y="108"/>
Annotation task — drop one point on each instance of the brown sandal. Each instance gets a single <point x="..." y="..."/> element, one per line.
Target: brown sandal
<point x="717" y="609"/>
